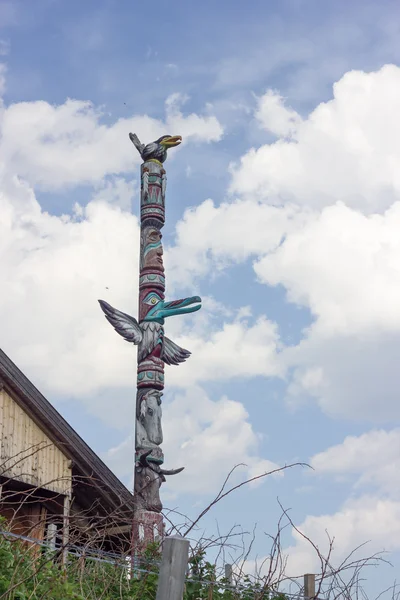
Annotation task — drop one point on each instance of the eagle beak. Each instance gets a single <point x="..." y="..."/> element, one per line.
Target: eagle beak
<point x="170" y="142"/>
<point x="181" y="307"/>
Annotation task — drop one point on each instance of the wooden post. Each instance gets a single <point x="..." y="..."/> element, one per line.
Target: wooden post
<point x="309" y="585"/>
<point x="171" y="580"/>
<point x="228" y="573"/>
<point x="65" y="534"/>
<point x="51" y="536"/>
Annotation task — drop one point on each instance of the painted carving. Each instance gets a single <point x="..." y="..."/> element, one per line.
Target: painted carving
<point x="148" y="426"/>
<point x="147" y="332"/>
<point x="147" y="489"/>
<point x="152" y="250"/>
<point x="152" y="195"/>
<point x="155" y="150"/>
<point x="148" y="479"/>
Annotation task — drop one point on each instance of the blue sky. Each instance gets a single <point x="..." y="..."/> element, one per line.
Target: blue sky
<point x="282" y="213"/>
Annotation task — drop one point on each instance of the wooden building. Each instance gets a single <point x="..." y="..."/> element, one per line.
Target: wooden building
<point x="53" y="487"/>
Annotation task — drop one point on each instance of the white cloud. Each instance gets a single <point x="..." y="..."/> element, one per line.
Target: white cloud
<point x="332" y="253"/>
<point x="210" y="238"/>
<point x="345" y="150"/>
<point x="344" y="267"/>
<point x="55" y="269"/>
<point x="373" y="458"/>
<point x="335" y="260"/>
<point x="192" y="126"/>
<point x="366" y="519"/>
<point x="117" y="191"/>
<point x="350" y="377"/>
<point x="331" y="240"/>
<point x="359" y="529"/>
<point x="341" y="265"/>
<point x="275" y="117"/>
<point x="68" y="144"/>
<point x="370" y="462"/>
<point x="207" y="437"/>
<point x="252" y="351"/>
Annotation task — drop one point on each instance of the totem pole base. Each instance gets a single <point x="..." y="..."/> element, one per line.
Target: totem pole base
<point x="148" y="527"/>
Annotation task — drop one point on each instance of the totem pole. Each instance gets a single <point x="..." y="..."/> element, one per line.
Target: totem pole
<point x="154" y="348"/>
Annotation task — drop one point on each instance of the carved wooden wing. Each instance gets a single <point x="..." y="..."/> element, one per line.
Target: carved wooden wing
<point x="123" y="324"/>
<point x="172" y="353"/>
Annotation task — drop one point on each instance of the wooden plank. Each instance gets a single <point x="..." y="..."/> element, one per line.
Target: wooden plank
<point x="18" y="464"/>
<point x="171" y="580"/>
<point x="309" y="585"/>
<point x="118" y="530"/>
<point x="65" y="537"/>
<point x="2" y="396"/>
<point x="43" y="464"/>
<point x="6" y="453"/>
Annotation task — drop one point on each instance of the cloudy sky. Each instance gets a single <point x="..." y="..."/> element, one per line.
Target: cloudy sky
<point x="283" y="213"/>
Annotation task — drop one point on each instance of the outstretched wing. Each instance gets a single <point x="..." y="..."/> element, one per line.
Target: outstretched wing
<point x="123" y="324"/>
<point x="136" y="142"/>
<point x="172" y="353"/>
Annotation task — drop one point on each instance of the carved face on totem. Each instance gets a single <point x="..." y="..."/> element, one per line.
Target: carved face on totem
<point x="147" y="488"/>
<point x="149" y="431"/>
<point x="152" y="250"/>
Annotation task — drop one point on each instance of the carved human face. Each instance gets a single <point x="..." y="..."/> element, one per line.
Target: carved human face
<point x="152" y="250"/>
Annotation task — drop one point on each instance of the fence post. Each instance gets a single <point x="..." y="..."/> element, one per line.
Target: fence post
<point x="309" y="585"/>
<point x="51" y="536"/>
<point x="65" y="529"/>
<point x="171" y="580"/>
<point x="228" y="573"/>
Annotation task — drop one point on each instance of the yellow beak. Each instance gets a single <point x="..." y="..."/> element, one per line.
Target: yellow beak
<point x="170" y="142"/>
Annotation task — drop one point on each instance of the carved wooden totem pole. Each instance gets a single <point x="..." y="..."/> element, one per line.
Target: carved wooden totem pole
<point x="154" y="348"/>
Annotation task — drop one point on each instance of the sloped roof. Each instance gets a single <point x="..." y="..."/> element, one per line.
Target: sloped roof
<point x="112" y="492"/>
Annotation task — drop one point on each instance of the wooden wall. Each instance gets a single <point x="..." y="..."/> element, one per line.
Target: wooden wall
<point x="27" y="454"/>
<point x="27" y="519"/>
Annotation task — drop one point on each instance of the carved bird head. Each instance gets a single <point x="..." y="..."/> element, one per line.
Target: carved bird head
<point x="160" y="310"/>
<point x="158" y="150"/>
